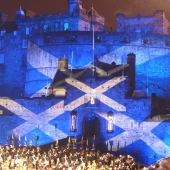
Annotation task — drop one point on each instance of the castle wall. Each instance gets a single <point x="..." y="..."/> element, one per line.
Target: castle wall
<point x="29" y="61"/>
<point x="166" y="25"/>
<point x="133" y="130"/>
<point x="40" y="59"/>
<point x="14" y="66"/>
<point x="154" y="24"/>
<point x="43" y="56"/>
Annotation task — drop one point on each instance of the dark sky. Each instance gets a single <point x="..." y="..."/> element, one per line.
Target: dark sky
<point x="106" y="8"/>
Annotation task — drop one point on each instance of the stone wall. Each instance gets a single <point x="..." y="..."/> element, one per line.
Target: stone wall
<point x="134" y="132"/>
<point x="158" y="23"/>
<point x="109" y="47"/>
<point x="39" y="54"/>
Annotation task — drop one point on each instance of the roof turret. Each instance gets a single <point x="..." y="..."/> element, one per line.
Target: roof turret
<point x="20" y="12"/>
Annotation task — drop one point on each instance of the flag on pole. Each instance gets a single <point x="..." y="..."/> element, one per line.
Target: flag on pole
<point x="82" y="140"/>
<point x="94" y="138"/>
<point x="56" y="142"/>
<point x="75" y="144"/>
<point x="87" y="142"/>
<point x="7" y="140"/>
<point x="12" y="137"/>
<point x="25" y="141"/>
<point x="69" y="140"/>
<point x="31" y="141"/>
<point x="19" y="140"/>
<point x="93" y="147"/>
<point x="68" y="144"/>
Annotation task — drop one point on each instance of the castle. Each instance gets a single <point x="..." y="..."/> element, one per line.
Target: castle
<point x="109" y="84"/>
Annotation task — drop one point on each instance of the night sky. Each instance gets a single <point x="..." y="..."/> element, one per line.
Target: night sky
<point x="106" y="8"/>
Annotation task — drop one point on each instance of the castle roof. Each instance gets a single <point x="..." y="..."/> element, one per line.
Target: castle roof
<point x="9" y="27"/>
<point x="102" y="70"/>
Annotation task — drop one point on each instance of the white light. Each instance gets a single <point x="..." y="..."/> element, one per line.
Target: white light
<point x="92" y="100"/>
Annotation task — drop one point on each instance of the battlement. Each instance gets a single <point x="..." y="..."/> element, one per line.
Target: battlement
<point x="156" y="23"/>
<point x="157" y="13"/>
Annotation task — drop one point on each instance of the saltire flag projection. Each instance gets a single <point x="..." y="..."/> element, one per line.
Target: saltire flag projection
<point x="33" y="118"/>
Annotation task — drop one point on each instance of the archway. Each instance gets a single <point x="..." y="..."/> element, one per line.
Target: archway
<point x="91" y="126"/>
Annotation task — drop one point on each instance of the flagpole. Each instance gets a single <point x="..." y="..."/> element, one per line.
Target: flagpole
<point x="93" y="50"/>
<point x="71" y="62"/>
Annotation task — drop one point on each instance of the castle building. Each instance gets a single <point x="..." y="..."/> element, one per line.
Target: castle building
<point x="155" y="24"/>
<point x="64" y="75"/>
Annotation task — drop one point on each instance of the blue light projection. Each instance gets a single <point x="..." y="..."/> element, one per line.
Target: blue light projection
<point x="30" y="136"/>
<point x="141" y="152"/>
<point x="155" y="75"/>
<point x="10" y="122"/>
<point x="37" y="81"/>
<point x="162" y="131"/>
<point x="158" y="81"/>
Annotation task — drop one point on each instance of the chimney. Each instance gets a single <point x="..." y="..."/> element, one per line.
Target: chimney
<point x="63" y="64"/>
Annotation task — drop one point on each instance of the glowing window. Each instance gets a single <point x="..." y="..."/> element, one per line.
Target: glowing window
<point x="27" y="31"/>
<point x="2" y="32"/>
<point x="66" y="25"/>
<point x="15" y="32"/>
<point x="45" y="28"/>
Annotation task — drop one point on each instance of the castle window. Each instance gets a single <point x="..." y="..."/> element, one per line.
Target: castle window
<point x="46" y="28"/>
<point x="167" y="43"/>
<point x="124" y="40"/>
<point x="72" y="38"/>
<point x="110" y="121"/>
<point x="145" y="41"/>
<point x="1" y="44"/>
<point x="48" y="39"/>
<point x="98" y="38"/>
<point x="24" y="43"/>
<point x="2" y="32"/>
<point x="73" y="120"/>
<point x="86" y="27"/>
<point x="15" y="32"/>
<point x="56" y="25"/>
<point x="27" y="31"/>
<point x="1" y="58"/>
<point x="66" y="25"/>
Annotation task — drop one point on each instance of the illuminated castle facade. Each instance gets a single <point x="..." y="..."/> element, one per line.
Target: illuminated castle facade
<point x="115" y="94"/>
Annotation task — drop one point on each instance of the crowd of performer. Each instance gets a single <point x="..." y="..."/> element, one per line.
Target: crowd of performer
<point x="24" y="158"/>
<point x="65" y="158"/>
<point x="69" y="157"/>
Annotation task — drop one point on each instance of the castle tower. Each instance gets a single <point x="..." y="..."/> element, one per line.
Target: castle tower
<point x="72" y="4"/>
<point x="19" y="15"/>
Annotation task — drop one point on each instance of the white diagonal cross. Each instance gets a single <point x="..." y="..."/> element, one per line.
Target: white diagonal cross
<point x="143" y="133"/>
<point x="35" y="121"/>
<point x="100" y="89"/>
